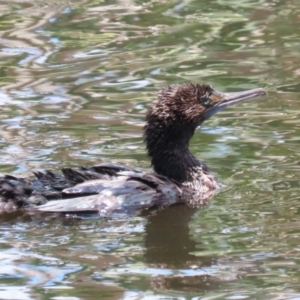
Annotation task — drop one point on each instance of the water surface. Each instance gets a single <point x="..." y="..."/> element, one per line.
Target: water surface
<point x="76" y="79"/>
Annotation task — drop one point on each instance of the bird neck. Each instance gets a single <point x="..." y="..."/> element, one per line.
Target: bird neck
<point x="177" y="164"/>
<point x="169" y="151"/>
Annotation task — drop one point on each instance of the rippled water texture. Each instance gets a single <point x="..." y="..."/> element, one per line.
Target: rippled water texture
<point x="76" y="78"/>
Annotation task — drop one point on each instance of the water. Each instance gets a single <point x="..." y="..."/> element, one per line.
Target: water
<point x="75" y="81"/>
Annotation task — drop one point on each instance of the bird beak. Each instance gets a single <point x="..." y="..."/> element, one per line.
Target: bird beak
<point x="222" y="100"/>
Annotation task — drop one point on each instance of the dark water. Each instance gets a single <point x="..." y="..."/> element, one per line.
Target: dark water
<point x="76" y="78"/>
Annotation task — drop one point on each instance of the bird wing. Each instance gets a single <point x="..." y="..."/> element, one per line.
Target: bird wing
<point x="16" y="192"/>
<point x="128" y="191"/>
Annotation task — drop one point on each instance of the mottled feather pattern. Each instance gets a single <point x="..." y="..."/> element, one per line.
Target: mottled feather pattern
<point x="203" y="186"/>
<point x="181" y="101"/>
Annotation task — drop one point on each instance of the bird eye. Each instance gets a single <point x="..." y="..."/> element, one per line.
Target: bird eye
<point x="206" y="101"/>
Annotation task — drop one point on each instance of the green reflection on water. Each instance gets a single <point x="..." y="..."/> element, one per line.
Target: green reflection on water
<point x="76" y="79"/>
